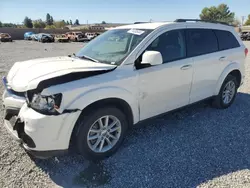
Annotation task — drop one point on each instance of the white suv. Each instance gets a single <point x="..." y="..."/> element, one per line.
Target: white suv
<point x="88" y="101"/>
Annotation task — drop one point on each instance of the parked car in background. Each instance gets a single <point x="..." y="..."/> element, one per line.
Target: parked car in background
<point x="96" y="35"/>
<point x="245" y="36"/>
<point x="5" y="37"/>
<point x="34" y="37"/>
<point x="75" y="36"/>
<point x="28" y="35"/>
<point x="90" y="36"/>
<point x="61" y="38"/>
<point x="44" y="37"/>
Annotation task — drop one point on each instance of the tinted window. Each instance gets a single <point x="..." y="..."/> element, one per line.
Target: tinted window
<point x="171" y="45"/>
<point x="201" y="41"/>
<point x="226" y="40"/>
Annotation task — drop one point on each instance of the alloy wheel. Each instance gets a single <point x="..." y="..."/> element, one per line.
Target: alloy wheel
<point x="228" y="92"/>
<point x="104" y="133"/>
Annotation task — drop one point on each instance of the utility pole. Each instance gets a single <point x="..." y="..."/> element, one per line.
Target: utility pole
<point x="242" y="20"/>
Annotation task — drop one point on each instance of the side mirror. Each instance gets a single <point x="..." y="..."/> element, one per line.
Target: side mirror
<point x="152" y="58"/>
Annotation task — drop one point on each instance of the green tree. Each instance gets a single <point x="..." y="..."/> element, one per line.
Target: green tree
<point x="27" y="22"/>
<point x="248" y="20"/>
<point x="9" y="25"/>
<point x="76" y="22"/>
<point x="49" y="19"/>
<point x="59" y="24"/>
<point x="219" y="13"/>
<point x="70" y="22"/>
<point x="1" y="25"/>
<point x="39" y="24"/>
<point x="103" y="22"/>
<point x="67" y="22"/>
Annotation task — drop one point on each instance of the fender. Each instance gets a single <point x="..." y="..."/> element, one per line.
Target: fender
<point x="84" y="99"/>
<point x="231" y="67"/>
<point x="94" y="95"/>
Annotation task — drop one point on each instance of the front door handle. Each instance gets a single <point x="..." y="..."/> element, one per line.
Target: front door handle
<point x="185" y="67"/>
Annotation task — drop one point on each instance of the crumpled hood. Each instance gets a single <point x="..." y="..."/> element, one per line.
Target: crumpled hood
<point x="27" y="75"/>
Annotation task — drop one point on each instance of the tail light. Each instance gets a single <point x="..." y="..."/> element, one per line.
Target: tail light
<point x="246" y="51"/>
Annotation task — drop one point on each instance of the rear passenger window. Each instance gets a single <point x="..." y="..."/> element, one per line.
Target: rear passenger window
<point x="226" y="40"/>
<point x="201" y="41"/>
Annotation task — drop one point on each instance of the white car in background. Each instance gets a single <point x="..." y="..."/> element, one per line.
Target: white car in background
<point x="90" y="36"/>
<point x="89" y="101"/>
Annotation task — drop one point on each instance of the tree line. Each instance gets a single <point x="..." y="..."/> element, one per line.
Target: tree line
<point x="220" y="13"/>
<point x="49" y="23"/>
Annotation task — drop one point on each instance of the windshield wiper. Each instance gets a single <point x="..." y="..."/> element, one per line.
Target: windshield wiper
<point x="88" y="58"/>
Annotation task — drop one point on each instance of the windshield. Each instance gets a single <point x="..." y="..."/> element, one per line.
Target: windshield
<point x="113" y="46"/>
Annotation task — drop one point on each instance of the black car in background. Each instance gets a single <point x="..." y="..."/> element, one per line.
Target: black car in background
<point x="44" y="37"/>
<point x="245" y="36"/>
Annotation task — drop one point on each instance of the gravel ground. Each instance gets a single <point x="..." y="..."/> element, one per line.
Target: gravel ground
<point x="195" y="147"/>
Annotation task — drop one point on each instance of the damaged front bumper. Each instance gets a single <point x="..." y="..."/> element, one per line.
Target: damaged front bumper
<point x="27" y="142"/>
<point x="41" y="135"/>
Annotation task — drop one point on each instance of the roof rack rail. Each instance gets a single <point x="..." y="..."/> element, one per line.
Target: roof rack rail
<point x="140" y="22"/>
<point x="197" y="20"/>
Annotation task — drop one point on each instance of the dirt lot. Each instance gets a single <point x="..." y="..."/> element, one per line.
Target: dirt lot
<point x="196" y="146"/>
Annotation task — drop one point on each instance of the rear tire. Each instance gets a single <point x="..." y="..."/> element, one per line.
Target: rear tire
<point x="89" y="133"/>
<point x="227" y="93"/>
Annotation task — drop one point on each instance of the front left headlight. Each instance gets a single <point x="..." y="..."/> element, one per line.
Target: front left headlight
<point x="46" y="104"/>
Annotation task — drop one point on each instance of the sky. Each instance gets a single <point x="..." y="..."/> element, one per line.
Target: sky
<point x="112" y="11"/>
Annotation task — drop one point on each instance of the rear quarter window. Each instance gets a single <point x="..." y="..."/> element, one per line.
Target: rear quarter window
<point x="226" y="40"/>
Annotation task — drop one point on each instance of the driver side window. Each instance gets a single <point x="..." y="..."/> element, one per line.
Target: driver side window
<point x="171" y="45"/>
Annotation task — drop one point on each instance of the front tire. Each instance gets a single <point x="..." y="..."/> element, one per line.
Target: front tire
<point x="227" y="93"/>
<point x="100" y="133"/>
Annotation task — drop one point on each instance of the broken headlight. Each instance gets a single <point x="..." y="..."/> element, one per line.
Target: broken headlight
<point x="46" y="104"/>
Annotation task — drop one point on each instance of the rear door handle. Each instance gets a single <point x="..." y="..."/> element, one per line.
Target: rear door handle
<point x="223" y="58"/>
<point x="185" y="67"/>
